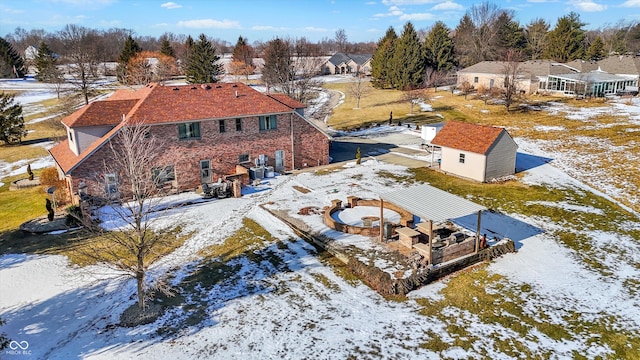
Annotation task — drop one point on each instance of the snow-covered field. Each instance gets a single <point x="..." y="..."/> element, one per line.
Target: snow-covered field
<point x="299" y="306"/>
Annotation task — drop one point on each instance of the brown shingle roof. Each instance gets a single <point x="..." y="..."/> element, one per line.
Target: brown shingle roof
<point x="292" y="103"/>
<point x="156" y="104"/>
<point x="166" y="104"/>
<point x="467" y="137"/>
<point x="100" y="113"/>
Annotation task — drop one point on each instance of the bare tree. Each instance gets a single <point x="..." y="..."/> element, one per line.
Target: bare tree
<point x="341" y="40"/>
<point x="513" y="73"/>
<point x="358" y="89"/>
<point x="414" y="96"/>
<point x="291" y="66"/>
<point x="466" y="88"/>
<point x="81" y="53"/>
<point x="132" y="184"/>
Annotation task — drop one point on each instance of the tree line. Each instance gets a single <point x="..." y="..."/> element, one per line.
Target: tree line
<point x="487" y="32"/>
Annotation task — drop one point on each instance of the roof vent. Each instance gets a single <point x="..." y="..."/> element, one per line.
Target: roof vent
<point x="236" y="93"/>
<point x="194" y="88"/>
<point x="234" y="85"/>
<point x="175" y="88"/>
<point x="218" y="86"/>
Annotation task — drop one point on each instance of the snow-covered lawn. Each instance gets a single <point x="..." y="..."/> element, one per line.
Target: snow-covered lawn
<point x="285" y="300"/>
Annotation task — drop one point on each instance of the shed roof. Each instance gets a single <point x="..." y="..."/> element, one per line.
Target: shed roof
<point x="467" y="137"/>
<point x="431" y="203"/>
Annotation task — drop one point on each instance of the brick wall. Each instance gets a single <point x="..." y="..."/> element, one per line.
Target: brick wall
<point x="223" y="149"/>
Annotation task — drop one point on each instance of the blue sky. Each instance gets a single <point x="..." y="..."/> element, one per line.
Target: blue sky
<point x="363" y="20"/>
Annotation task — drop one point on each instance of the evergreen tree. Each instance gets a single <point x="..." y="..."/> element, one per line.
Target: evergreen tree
<point x="11" y="64"/>
<point x="438" y="48"/>
<point x="129" y="51"/>
<point x="202" y="63"/>
<point x="11" y="121"/>
<point x="165" y="47"/>
<point x="408" y="60"/>
<point x="46" y="64"/>
<point x="381" y="60"/>
<point x="510" y="36"/>
<point x="566" y="40"/>
<point x="596" y="51"/>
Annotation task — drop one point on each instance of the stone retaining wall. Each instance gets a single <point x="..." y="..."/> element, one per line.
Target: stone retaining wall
<point x="381" y="281"/>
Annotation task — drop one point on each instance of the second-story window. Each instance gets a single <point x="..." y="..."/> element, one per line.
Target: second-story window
<point x="189" y="130"/>
<point x="221" y="124"/>
<point x="269" y="122"/>
<point x="238" y="124"/>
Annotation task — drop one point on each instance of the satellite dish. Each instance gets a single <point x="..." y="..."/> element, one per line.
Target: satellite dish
<point x="51" y="189"/>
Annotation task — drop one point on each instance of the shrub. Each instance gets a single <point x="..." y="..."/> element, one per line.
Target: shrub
<point x="49" y="177"/>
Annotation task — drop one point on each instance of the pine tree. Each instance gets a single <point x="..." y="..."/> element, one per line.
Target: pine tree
<point x="565" y="41"/>
<point x="438" y="48"/>
<point x="381" y="60"/>
<point x="408" y="60"/>
<point x="11" y="64"/>
<point x="46" y="64"/>
<point x="510" y="36"/>
<point x="202" y="63"/>
<point x="596" y="51"/>
<point x="12" y="128"/>
<point x="129" y="51"/>
<point x="165" y="47"/>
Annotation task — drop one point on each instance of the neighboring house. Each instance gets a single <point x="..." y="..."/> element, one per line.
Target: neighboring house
<point x="209" y="131"/>
<point x="612" y="75"/>
<point x="341" y="63"/>
<point x="476" y="152"/>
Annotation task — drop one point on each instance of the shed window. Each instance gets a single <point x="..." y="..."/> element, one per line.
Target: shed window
<point x="243" y="158"/>
<point x="461" y="159"/>
<point x="475" y="79"/>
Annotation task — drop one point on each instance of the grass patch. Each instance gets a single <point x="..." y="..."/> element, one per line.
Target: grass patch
<point x="490" y="299"/>
<point x="18" y="206"/>
<point x="587" y="136"/>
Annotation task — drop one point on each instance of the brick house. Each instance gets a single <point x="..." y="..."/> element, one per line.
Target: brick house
<point x="478" y="152"/>
<point x="210" y="131"/>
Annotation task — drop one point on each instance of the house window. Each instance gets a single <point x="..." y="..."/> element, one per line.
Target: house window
<point x="221" y="124"/>
<point x="70" y="136"/>
<point x="238" y="124"/>
<point x="475" y="79"/>
<point x="461" y="160"/>
<point x="111" y="183"/>
<point x="163" y="174"/>
<point x="268" y="122"/>
<point x="243" y="158"/>
<point x="189" y="130"/>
